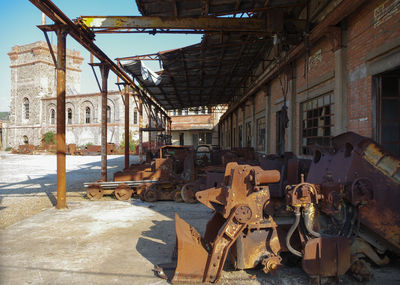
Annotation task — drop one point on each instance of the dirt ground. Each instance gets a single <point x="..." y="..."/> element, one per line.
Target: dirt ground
<point x="102" y="242"/>
<point x="28" y="183"/>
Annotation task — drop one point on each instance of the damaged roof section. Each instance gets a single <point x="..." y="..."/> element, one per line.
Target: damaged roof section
<point x="202" y="74"/>
<point x="218" y="69"/>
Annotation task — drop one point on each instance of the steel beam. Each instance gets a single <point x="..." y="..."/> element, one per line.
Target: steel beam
<point x="86" y="39"/>
<point x="126" y="126"/>
<point x="140" y="131"/>
<point x="61" y="31"/>
<point x="208" y="24"/>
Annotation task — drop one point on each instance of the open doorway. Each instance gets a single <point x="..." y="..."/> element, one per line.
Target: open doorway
<point x="387" y="102"/>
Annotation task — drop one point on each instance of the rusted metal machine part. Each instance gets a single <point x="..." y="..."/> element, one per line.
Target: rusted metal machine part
<point x="173" y="168"/>
<point x="362" y="174"/>
<point x="123" y="192"/>
<point x="211" y="179"/>
<point x="238" y="206"/>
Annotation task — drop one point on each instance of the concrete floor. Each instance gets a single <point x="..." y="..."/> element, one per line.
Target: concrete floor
<point x="113" y="242"/>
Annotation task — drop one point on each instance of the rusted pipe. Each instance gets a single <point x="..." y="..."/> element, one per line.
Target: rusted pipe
<point x="308" y="221"/>
<point x="267" y="177"/>
<point x="127" y="126"/>
<point x="291" y="231"/>
<point x="104" y="77"/>
<point x="60" y="137"/>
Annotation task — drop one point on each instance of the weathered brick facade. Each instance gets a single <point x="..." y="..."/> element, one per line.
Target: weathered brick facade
<point x="339" y="76"/>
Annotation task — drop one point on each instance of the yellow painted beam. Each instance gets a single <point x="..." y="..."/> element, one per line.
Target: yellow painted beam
<point x="182" y="23"/>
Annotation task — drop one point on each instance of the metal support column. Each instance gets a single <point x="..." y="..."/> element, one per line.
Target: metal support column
<point x="60" y="137"/>
<point x="126" y="126"/>
<point x="104" y="77"/>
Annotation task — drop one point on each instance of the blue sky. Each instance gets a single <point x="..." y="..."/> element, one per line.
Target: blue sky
<point x="19" y="18"/>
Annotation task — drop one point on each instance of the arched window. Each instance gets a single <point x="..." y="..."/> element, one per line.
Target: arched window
<point x="26" y="140"/>
<point x="135" y="115"/>
<point x="87" y="118"/>
<point x="52" y="116"/>
<point x="69" y="116"/>
<point x="26" y="108"/>
<point x="108" y="114"/>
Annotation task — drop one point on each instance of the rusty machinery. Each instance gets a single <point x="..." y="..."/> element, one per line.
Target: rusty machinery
<point x="345" y="211"/>
<point x="162" y="180"/>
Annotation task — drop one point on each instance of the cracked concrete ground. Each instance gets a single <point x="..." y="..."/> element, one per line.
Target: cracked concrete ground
<point x="102" y="242"/>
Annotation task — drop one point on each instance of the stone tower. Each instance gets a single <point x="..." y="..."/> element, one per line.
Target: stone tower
<point x="33" y="78"/>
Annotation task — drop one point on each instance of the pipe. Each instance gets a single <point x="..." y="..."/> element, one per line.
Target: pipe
<point x="291" y="231"/>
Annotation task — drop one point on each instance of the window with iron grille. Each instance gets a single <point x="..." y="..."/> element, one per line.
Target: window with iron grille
<point x="317" y="122"/>
<point x="248" y="134"/>
<point x="69" y="116"/>
<point x="108" y="114"/>
<point x="52" y="117"/>
<point x="135" y="116"/>
<point x="26" y="108"/>
<point x="260" y="134"/>
<point x="87" y="118"/>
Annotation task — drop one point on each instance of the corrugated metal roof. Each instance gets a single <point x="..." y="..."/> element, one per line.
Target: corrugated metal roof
<point x="207" y="73"/>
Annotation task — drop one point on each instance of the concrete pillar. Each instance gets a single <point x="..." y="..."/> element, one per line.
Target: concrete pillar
<point x="231" y="130"/>
<point x="237" y="129"/>
<point x="340" y="93"/>
<point x="253" y="121"/>
<point x="292" y="111"/>
<point x="60" y="137"/>
<point x="267" y="120"/>
<point x="243" y="125"/>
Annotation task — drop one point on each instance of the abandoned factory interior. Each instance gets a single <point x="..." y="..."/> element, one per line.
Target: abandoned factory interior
<point x="267" y="152"/>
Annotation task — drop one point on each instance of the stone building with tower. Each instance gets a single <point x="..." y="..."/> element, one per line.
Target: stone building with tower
<point x="33" y="102"/>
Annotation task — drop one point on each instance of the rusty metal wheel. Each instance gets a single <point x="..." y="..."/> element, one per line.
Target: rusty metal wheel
<point x="123" y="192"/>
<point x="94" y="191"/>
<point x="188" y="192"/>
<point x="150" y="195"/>
<point x="176" y="195"/>
<point x="141" y="189"/>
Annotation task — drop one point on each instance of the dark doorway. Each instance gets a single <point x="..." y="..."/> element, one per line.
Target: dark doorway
<point x="387" y="103"/>
<point x="181" y="139"/>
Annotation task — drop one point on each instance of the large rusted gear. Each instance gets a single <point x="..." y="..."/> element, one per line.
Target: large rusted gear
<point x="243" y="214"/>
<point x="123" y="192"/>
<point x="94" y="191"/>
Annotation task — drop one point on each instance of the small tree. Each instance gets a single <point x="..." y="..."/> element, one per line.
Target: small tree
<point x="49" y="138"/>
